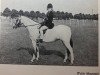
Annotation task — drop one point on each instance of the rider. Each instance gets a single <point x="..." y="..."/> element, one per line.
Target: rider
<point x="47" y="23"/>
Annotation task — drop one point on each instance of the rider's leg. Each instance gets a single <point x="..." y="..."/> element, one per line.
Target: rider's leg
<point x="41" y="31"/>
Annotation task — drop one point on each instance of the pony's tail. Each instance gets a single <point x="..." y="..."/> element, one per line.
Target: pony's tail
<point x="71" y="42"/>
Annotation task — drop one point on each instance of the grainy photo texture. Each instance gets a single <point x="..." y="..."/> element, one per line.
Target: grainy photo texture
<point x="49" y="32"/>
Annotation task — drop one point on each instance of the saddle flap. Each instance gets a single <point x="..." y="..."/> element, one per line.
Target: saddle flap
<point x="44" y="31"/>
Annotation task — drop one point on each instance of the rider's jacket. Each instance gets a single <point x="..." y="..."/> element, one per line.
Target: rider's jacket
<point x="48" y="20"/>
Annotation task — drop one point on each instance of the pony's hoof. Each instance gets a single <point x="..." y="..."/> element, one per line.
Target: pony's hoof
<point x="64" y="60"/>
<point x="37" y="58"/>
<point x="72" y="62"/>
<point x="32" y="61"/>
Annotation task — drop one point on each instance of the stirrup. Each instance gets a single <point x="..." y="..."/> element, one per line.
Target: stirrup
<point x="39" y="40"/>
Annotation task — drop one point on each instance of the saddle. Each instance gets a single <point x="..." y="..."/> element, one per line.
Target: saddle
<point x="40" y="40"/>
<point x="49" y="27"/>
<point x="44" y="31"/>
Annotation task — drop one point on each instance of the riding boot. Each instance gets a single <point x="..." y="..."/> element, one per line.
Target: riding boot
<point x="41" y="38"/>
<point x="39" y="41"/>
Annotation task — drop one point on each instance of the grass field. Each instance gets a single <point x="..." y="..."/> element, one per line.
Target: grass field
<point x="16" y="46"/>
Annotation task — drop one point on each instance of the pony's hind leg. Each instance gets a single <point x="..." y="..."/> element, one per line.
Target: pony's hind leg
<point x="66" y="57"/>
<point x="67" y="44"/>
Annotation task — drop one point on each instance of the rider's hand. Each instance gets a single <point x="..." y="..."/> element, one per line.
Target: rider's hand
<point x="39" y="27"/>
<point x="45" y="19"/>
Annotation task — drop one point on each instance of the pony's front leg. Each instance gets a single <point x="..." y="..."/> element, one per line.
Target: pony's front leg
<point x="33" y="58"/>
<point x="34" y="54"/>
<point x="37" y="52"/>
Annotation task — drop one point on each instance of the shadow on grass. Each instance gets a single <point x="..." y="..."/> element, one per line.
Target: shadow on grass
<point x="43" y="51"/>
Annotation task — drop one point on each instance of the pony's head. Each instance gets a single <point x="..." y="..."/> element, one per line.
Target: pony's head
<point x="25" y="22"/>
<point x="18" y="23"/>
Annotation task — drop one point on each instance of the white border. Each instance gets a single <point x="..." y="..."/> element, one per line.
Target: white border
<point x="49" y="70"/>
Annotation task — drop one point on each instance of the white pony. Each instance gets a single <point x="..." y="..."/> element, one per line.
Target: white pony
<point x="61" y="32"/>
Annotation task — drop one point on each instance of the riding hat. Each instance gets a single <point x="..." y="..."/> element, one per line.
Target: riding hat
<point x="49" y="6"/>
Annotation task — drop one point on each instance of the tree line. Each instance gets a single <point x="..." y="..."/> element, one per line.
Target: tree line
<point x="57" y="15"/>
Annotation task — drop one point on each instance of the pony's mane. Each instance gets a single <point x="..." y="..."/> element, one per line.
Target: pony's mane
<point x="28" y="21"/>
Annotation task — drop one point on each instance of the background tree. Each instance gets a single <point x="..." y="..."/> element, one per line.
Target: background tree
<point x="63" y="15"/>
<point x="57" y="15"/>
<point x="67" y="15"/>
<point x="42" y="15"/>
<point x="14" y="13"/>
<point x="6" y="12"/>
<point x="21" y="13"/>
<point x="95" y="16"/>
<point x="32" y="14"/>
<point x="37" y="14"/>
<point x="0" y="13"/>
<point x="70" y="15"/>
<point x="27" y="14"/>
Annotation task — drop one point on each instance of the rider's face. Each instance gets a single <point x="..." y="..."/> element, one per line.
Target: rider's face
<point x="49" y="9"/>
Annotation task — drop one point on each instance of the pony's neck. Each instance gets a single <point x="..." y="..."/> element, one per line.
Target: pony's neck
<point x="28" y="22"/>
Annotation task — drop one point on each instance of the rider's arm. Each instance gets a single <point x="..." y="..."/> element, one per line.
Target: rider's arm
<point x="50" y="16"/>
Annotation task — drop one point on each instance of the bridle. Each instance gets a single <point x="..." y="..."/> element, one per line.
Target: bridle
<point x="22" y="25"/>
<point x="29" y="25"/>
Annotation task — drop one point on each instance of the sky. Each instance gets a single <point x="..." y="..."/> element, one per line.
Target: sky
<point x="73" y="6"/>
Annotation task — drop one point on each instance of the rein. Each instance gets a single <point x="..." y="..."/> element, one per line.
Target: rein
<point x="29" y="25"/>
